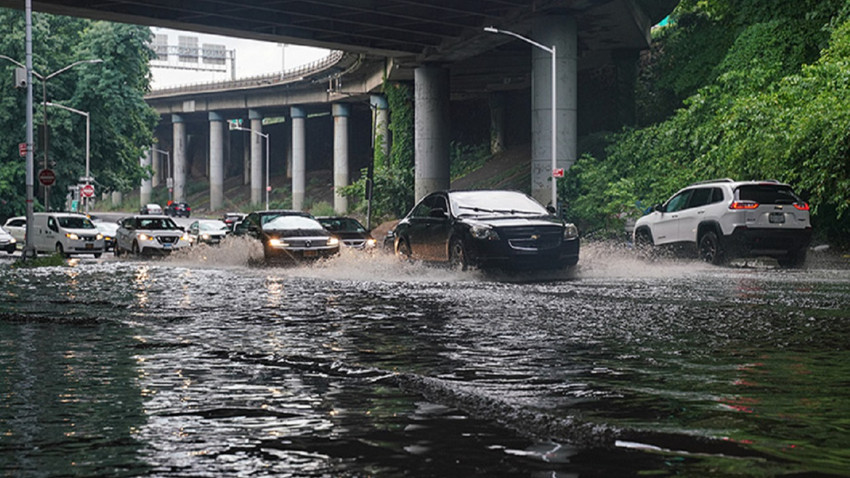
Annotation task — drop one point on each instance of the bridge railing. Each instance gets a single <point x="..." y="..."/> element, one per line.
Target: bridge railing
<point x="287" y="76"/>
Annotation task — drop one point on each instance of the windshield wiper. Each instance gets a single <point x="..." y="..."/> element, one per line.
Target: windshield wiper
<point x="501" y="211"/>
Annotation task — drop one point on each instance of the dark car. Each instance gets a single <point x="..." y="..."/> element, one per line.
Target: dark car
<point x="349" y="231"/>
<point x="208" y="231"/>
<point x="288" y="235"/>
<point x="232" y="218"/>
<point x="177" y="209"/>
<point x="486" y="229"/>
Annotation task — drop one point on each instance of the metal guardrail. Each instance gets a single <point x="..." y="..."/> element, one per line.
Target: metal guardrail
<point x="288" y="76"/>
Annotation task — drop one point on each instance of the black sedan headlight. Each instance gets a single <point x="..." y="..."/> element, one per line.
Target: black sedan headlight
<point x="570" y="231"/>
<point x="483" y="233"/>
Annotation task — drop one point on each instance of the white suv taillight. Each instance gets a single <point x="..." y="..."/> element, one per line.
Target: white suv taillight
<point x="802" y="206"/>
<point x="743" y="205"/>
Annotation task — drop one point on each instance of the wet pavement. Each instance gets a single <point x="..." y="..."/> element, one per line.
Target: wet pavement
<point x="203" y="365"/>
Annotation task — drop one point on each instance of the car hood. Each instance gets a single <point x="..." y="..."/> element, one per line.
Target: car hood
<point x="513" y="221"/>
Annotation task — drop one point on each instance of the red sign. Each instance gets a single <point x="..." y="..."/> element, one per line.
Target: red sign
<point x="46" y="177"/>
<point x="22" y="148"/>
<point x="558" y="173"/>
<point x="87" y="191"/>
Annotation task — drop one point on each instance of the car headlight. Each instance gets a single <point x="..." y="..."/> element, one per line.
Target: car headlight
<point x="484" y="233"/>
<point x="333" y="241"/>
<point x="274" y="242"/>
<point x="371" y="242"/>
<point x="12" y="240"/>
<point x="72" y="236"/>
<point x="570" y="231"/>
<point x="205" y="237"/>
<point x="185" y="237"/>
<point x="144" y="237"/>
<point x="99" y="237"/>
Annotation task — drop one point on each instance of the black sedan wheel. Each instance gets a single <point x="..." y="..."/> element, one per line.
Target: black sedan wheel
<point x="457" y="255"/>
<point x="403" y="250"/>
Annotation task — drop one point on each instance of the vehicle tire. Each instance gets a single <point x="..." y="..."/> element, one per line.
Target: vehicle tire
<point x="403" y="250"/>
<point x="709" y="248"/>
<point x="97" y="255"/>
<point x="794" y="259"/>
<point x="136" y="250"/>
<point x="458" y="259"/>
<point x="644" y="244"/>
<point x="116" y="251"/>
<point x="61" y="250"/>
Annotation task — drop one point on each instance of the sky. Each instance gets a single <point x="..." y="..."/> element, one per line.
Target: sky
<point x="253" y="58"/>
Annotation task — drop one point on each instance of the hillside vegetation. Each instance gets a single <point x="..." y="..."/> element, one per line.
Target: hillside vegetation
<point x="746" y="89"/>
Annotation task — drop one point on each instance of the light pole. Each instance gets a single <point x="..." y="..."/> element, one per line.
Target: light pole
<point x="169" y="182"/>
<point x="88" y="141"/>
<point x="43" y="80"/>
<point x="234" y="126"/>
<point x="552" y="51"/>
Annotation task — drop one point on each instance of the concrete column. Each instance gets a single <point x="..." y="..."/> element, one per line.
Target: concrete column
<point x="289" y="153"/>
<point x="559" y="31"/>
<point x="146" y="187"/>
<point x="179" y="158"/>
<point x="117" y="198"/>
<point x="246" y="161"/>
<point x="381" y="110"/>
<point x="431" y="123"/>
<point x="341" y="112"/>
<point x="156" y="158"/>
<point x="497" y="122"/>
<point x="257" y="158"/>
<point x="216" y="161"/>
<point x="299" y="156"/>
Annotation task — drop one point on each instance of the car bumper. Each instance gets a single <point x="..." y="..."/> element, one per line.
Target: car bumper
<point x="298" y="254"/>
<point x="160" y="249"/>
<point x="746" y="241"/>
<point x="500" y="255"/>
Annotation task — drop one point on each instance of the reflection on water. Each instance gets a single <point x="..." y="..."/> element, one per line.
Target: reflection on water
<point x="205" y="365"/>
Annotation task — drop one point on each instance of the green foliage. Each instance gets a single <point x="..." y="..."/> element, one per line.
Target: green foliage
<point x="465" y="158"/>
<point x="393" y="180"/>
<point x="777" y="105"/>
<point x="53" y="260"/>
<point x="112" y="92"/>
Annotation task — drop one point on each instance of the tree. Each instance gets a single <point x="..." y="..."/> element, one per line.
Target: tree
<point x="112" y="92"/>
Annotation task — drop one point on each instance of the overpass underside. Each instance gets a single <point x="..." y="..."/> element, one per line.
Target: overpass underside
<point x="439" y="45"/>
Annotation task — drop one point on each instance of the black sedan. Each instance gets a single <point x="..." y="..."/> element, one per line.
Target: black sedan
<point x="177" y="209"/>
<point x="288" y="236"/>
<point x="486" y="229"/>
<point x="349" y="231"/>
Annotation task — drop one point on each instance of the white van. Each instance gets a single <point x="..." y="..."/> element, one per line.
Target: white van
<point x="66" y="233"/>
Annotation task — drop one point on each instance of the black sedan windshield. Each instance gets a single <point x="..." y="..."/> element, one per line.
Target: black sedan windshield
<point x="282" y="223"/>
<point x="486" y="203"/>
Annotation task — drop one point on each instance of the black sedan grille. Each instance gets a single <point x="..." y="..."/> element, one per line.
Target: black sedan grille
<point x="532" y="238"/>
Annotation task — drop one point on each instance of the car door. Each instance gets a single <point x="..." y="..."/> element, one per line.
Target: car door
<point x="693" y="213"/>
<point x="124" y="238"/>
<point x="666" y="229"/>
<point x="426" y="227"/>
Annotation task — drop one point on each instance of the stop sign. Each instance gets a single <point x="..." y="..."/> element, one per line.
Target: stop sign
<point x="87" y="191"/>
<point x="46" y="177"/>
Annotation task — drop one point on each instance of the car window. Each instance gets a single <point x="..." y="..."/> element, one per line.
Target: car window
<point x="767" y="194"/>
<point x="76" y="223"/>
<point x="17" y="223"/>
<point x="700" y="197"/>
<point x="157" y="223"/>
<point x="286" y="222"/>
<point x="342" y="225"/>
<point x="716" y="195"/>
<point x="210" y="226"/>
<point x="679" y="201"/>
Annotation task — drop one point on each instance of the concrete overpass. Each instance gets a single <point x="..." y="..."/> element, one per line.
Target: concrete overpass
<point x="439" y="44"/>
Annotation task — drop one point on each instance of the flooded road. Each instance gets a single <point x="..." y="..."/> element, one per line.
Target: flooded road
<point x="202" y="365"/>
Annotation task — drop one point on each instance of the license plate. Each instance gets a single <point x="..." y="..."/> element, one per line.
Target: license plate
<point x="776" y="218"/>
<point x="89" y="246"/>
<point x="310" y="253"/>
<point x="167" y="244"/>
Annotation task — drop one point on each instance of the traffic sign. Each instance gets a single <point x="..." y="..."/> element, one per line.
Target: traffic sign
<point x="46" y="177"/>
<point x="22" y="149"/>
<point x="87" y="191"/>
<point x="558" y="173"/>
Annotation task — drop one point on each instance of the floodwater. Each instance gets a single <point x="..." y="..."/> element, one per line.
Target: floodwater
<point x="202" y="365"/>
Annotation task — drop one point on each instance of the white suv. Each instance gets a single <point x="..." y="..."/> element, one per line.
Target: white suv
<point x="723" y="219"/>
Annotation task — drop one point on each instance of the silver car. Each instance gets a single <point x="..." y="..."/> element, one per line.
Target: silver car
<point x="7" y="242"/>
<point x="146" y="235"/>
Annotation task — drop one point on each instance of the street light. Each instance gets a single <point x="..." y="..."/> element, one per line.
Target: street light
<point x="169" y="182"/>
<point x="88" y="140"/>
<point x="554" y="102"/>
<point x="234" y="126"/>
<point x="44" y="102"/>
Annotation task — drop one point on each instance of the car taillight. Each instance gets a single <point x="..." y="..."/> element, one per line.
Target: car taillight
<point x="743" y="205"/>
<point x="802" y="206"/>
